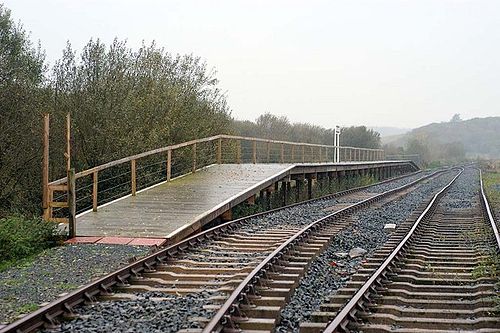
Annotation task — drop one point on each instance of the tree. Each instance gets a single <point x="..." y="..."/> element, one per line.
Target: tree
<point x="359" y="136"/>
<point x="122" y="101"/>
<point x="418" y="147"/>
<point x="456" y="118"/>
<point x="22" y="94"/>
<point x="126" y="101"/>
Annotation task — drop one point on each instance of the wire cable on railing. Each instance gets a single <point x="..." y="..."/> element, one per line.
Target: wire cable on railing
<point x="114" y="187"/>
<point x="114" y="177"/>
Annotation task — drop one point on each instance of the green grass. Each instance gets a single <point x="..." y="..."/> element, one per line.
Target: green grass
<point x="21" y="238"/>
<point x="490" y="267"/>
<point x="27" y="308"/>
<point x="491" y="182"/>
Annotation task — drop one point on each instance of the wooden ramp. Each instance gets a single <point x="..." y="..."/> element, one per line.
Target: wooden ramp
<point x="173" y="210"/>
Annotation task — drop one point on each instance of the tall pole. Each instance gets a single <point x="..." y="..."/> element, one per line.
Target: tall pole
<point x="334" y="145"/>
<point x="68" y="143"/>
<point x="337" y="143"/>
<point x="45" y="166"/>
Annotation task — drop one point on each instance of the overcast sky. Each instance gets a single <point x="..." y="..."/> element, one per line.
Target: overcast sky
<point x="377" y="63"/>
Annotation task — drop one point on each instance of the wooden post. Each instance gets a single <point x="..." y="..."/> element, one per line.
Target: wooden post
<point x="133" y="176"/>
<point x="68" y="143"/>
<point x="284" y="191"/>
<point x="194" y="157"/>
<point x="94" y="190"/>
<point x="219" y="152"/>
<point x="238" y="151"/>
<point x="169" y="164"/>
<point x="268" y="151"/>
<point x="45" y="167"/>
<point x="254" y="152"/>
<point x="282" y="153"/>
<point x="72" y="202"/>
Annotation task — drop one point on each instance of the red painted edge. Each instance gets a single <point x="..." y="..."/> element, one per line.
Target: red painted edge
<point x="116" y="240"/>
<point x="83" y="240"/>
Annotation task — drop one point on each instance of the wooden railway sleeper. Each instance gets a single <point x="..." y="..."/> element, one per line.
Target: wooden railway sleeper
<point x="50" y="321"/>
<point x="89" y="298"/>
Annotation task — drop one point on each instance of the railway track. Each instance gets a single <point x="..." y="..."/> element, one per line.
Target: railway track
<point x="434" y="277"/>
<point x="234" y="267"/>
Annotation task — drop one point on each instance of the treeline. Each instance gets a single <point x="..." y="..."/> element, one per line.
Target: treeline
<point x="121" y="101"/>
<point x="269" y="126"/>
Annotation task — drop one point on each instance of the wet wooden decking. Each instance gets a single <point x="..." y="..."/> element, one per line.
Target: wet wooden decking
<point x="175" y="209"/>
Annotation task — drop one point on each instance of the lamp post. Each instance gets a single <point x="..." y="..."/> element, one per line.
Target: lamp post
<point x="336" y="144"/>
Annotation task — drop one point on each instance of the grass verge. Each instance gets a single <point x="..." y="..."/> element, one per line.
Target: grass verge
<point x="21" y="238"/>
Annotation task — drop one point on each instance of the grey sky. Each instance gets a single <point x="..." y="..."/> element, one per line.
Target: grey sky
<point x="380" y="63"/>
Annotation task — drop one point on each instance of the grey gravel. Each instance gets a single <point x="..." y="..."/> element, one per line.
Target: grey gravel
<point x="151" y="312"/>
<point x="357" y="252"/>
<point x="58" y="270"/>
<point x="332" y="269"/>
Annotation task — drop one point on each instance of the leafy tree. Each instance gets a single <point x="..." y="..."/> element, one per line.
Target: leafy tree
<point x="359" y="136"/>
<point x="125" y="101"/>
<point x="122" y="101"/>
<point x="21" y="99"/>
<point x="419" y="147"/>
<point x="456" y="118"/>
<point x="280" y="128"/>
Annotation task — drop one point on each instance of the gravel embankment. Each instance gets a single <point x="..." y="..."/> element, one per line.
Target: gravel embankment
<point x="152" y="312"/>
<point x="58" y="270"/>
<point x="332" y="269"/>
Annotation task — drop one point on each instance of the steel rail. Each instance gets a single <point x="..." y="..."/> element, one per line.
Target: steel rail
<point x="339" y="323"/>
<point x="239" y="295"/>
<point x="47" y="315"/>
<point x="487" y="210"/>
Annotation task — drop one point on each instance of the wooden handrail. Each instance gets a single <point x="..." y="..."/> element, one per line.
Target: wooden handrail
<point x="169" y="149"/>
<point x="133" y="157"/>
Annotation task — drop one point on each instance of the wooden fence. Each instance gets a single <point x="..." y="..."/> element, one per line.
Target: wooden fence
<point x="107" y="182"/>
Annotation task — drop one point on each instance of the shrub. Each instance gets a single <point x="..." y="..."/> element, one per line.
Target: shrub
<point x="21" y="237"/>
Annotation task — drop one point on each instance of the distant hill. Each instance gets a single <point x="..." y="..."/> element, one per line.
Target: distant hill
<point x="390" y="131"/>
<point x="480" y="137"/>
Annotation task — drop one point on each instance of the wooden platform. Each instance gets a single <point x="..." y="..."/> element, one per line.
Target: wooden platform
<point x="175" y="209"/>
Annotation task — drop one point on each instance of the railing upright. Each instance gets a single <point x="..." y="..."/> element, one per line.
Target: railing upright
<point x="95" y="188"/>
<point x="219" y="151"/>
<point x="133" y="176"/>
<point x="169" y="164"/>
